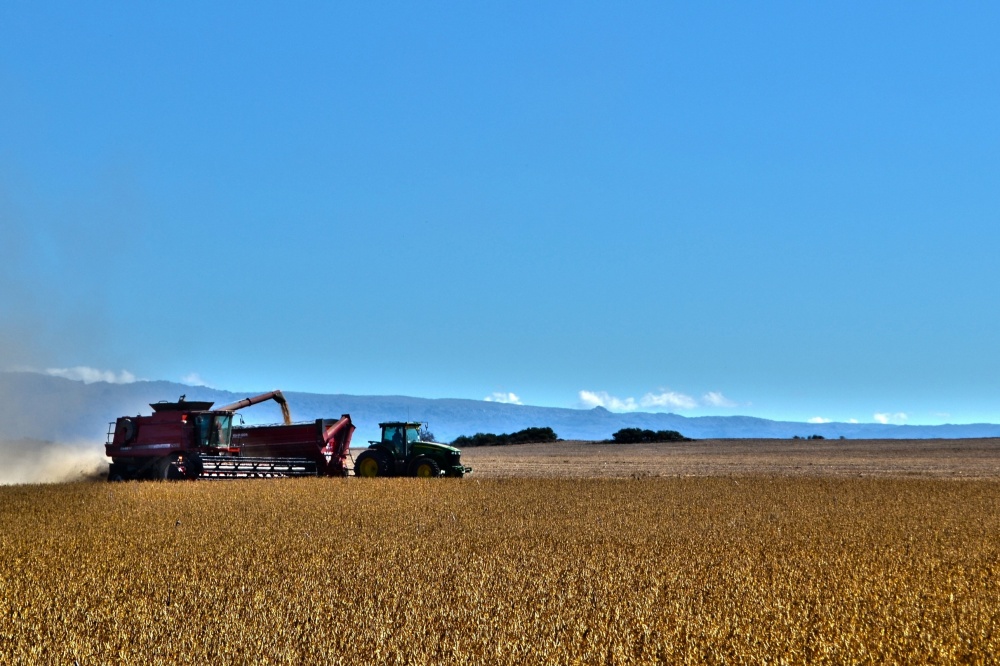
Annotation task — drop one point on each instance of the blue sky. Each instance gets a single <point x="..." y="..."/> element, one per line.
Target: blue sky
<point x="786" y="210"/>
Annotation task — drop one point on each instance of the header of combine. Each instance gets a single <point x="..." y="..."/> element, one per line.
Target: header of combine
<point x="190" y="439"/>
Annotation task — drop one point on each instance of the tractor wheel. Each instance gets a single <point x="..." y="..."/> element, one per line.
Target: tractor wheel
<point x="371" y="465"/>
<point x="115" y="474"/>
<point x="425" y="468"/>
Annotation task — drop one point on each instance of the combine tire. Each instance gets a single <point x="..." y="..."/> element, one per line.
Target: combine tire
<point x="193" y="466"/>
<point x="128" y="430"/>
<point x="166" y="469"/>
<point x="425" y="468"/>
<point x="371" y="465"/>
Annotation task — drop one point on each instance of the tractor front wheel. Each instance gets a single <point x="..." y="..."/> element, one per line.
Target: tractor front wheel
<point x="425" y="468"/>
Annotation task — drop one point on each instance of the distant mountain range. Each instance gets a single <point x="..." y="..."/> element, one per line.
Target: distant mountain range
<point x="36" y="406"/>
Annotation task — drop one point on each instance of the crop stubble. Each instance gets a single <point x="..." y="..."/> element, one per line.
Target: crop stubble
<point x="674" y="570"/>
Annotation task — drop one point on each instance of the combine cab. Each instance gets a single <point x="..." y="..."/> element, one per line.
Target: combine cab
<point x="190" y="440"/>
<point x="401" y="453"/>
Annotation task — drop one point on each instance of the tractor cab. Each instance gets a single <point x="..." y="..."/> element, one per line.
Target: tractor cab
<point x="398" y="437"/>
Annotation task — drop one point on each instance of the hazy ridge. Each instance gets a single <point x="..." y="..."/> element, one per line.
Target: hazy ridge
<point x="41" y="407"/>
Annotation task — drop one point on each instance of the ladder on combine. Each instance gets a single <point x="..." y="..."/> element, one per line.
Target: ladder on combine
<point x="255" y="468"/>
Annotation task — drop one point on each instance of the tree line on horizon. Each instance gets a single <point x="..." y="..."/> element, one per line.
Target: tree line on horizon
<point x="528" y="435"/>
<point x="641" y="436"/>
<point x="542" y="435"/>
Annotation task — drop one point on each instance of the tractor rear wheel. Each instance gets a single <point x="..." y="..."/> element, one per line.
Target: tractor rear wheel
<point x="425" y="467"/>
<point x="370" y="464"/>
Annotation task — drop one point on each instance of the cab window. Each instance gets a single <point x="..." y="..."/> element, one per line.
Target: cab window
<point x="213" y="431"/>
<point x="203" y="429"/>
<point x="222" y="433"/>
<point x="392" y="436"/>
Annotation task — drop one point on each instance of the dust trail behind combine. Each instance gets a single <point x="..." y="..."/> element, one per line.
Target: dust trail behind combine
<point x="34" y="461"/>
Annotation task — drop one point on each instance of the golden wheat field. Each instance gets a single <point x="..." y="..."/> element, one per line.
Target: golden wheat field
<point x="723" y="570"/>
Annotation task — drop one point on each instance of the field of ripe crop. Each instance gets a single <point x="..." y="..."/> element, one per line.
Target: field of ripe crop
<point x="672" y="570"/>
<point x="887" y="458"/>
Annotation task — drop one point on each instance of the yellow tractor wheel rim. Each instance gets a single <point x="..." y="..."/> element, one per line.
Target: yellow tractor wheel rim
<point x="424" y="470"/>
<point x="368" y="467"/>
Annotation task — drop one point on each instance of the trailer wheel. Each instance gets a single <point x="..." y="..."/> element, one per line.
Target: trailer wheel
<point x="425" y="467"/>
<point x="371" y="465"/>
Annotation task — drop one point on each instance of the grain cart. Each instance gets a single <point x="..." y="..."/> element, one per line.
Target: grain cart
<point x="400" y="452"/>
<point x="189" y="439"/>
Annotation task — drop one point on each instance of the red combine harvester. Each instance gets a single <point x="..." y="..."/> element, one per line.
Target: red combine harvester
<point x="191" y="440"/>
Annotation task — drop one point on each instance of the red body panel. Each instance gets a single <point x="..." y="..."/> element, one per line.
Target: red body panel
<point x="154" y="436"/>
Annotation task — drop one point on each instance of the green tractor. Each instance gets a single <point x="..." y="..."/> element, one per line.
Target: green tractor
<point x="402" y="453"/>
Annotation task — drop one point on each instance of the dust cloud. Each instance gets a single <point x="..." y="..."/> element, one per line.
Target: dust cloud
<point x="34" y="461"/>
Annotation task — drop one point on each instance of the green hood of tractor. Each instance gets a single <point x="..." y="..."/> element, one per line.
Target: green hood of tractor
<point x="433" y="446"/>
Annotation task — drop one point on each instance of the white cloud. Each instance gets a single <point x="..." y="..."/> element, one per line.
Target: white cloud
<point x="820" y="419"/>
<point x="602" y="399"/>
<point x="670" y="399"/>
<point x="193" y="379"/>
<point x="886" y="418"/>
<point x="91" y="375"/>
<point x="506" y="398"/>
<point x="716" y="399"/>
<point x="852" y="420"/>
<point x="664" y="399"/>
